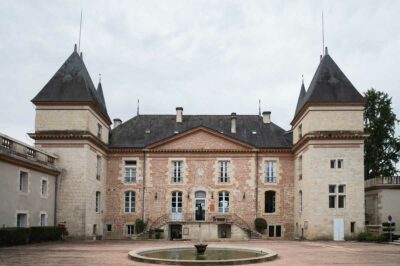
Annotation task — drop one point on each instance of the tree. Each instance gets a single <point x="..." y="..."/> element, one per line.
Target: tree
<point x="382" y="147"/>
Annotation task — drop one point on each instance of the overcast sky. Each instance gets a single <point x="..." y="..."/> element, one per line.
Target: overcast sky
<point x="210" y="57"/>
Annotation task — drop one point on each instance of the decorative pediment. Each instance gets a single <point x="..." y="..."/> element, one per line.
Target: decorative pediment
<point x="200" y="138"/>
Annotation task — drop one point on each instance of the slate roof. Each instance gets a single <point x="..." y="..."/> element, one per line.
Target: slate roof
<point x="132" y="133"/>
<point x="301" y="97"/>
<point x="72" y="83"/>
<point x="330" y="84"/>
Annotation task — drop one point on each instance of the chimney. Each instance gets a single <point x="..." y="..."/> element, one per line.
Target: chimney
<point x="267" y="117"/>
<point x="179" y="114"/>
<point x="75" y="48"/>
<point x="233" y="122"/>
<point x="117" y="122"/>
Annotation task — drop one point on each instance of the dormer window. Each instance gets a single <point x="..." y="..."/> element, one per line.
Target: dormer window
<point x="99" y="128"/>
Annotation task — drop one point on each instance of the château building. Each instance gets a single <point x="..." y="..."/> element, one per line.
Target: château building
<point x="205" y="176"/>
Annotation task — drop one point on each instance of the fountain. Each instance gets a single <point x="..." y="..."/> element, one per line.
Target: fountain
<point x="186" y="255"/>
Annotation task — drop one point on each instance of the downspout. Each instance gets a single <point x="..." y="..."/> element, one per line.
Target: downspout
<point x="257" y="177"/>
<point x="55" y="198"/>
<point x="143" y="183"/>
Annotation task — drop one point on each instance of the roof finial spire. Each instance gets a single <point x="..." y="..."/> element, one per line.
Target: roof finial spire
<point x="323" y="34"/>
<point x="99" y="77"/>
<point x="302" y="79"/>
<point x="137" y="111"/>
<point x="80" y="30"/>
<point x="259" y="107"/>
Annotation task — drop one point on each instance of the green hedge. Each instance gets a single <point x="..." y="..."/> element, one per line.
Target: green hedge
<point x="260" y="224"/>
<point x="45" y="233"/>
<point x="20" y="236"/>
<point x="372" y="238"/>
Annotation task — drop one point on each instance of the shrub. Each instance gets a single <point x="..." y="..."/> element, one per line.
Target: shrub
<point x="260" y="224"/>
<point x="14" y="236"/>
<point x="19" y="236"/>
<point x="365" y="236"/>
<point x="139" y="226"/>
<point x="45" y="233"/>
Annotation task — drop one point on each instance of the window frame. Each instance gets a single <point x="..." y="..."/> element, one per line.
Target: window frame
<point x="130" y="204"/>
<point x="272" y="208"/>
<point x="44" y="188"/>
<point x="270" y="171"/>
<point x="176" y="200"/>
<point x="23" y="185"/>
<point x="98" y="202"/>
<point x="130" y="165"/>
<point x="223" y="171"/>
<point x="223" y="197"/>
<point x="177" y="171"/>
<point x="98" y="167"/>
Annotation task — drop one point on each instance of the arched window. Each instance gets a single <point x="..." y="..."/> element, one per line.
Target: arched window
<point x="200" y="194"/>
<point x="176" y="202"/>
<point x="269" y="201"/>
<point x="130" y="199"/>
<point x="301" y="200"/>
<point x="223" y="202"/>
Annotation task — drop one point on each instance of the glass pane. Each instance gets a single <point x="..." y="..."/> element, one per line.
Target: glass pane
<point x="271" y="231"/>
<point x="200" y="194"/>
<point x="278" y="232"/>
<point x="332" y="188"/>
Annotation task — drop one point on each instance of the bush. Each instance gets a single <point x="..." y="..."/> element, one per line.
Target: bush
<point x="260" y="224"/>
<point x="14" y="236"/>
<point x="45" y="233"/>
<point x="139" y="226"/>
<point x="372" y="238"/>
<point x="19" y="236"/>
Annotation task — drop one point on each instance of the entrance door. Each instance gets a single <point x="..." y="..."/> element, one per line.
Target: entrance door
<point x="338" y="229"/>
<point x="200" y="206"/>
<point x="175" y="231"/>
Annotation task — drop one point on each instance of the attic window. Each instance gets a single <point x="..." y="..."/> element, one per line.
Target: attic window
<point x="254" y="132"/>
<point x="176" y="132"/>
<point x="147" y="131"/>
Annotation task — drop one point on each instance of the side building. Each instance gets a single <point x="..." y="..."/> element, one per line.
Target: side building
<point x="28" y="179"/>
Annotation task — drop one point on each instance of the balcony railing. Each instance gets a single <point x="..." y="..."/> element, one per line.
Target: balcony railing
<point x="382" y="180"/>
<point x="16" y="148"/>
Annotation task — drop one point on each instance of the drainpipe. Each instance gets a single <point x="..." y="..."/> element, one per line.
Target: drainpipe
<point x="257" y="177"/>
<point x="55" y="198"/>
<point x="143" y="183"/>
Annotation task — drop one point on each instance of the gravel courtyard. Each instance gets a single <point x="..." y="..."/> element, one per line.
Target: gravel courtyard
<point x="115" y="252"/>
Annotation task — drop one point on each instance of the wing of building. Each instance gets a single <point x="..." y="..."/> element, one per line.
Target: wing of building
<point x="221" y="171"/>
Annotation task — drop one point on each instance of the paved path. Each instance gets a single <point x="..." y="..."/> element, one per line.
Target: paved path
<point x="115" y="253"/>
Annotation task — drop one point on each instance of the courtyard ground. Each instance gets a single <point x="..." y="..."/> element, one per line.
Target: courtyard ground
<point x="116" y="252"/>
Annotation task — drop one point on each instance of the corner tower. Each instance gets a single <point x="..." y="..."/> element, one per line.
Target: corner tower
<point x="328" y="143"/>
<point x="72" y="121"/>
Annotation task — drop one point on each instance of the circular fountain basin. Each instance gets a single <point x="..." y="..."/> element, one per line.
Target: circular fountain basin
<point x="213" y="256"/>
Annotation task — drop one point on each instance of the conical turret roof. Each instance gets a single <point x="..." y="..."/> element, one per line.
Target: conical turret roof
<point x="72" y="83"/>
<point x="330" y="85"/>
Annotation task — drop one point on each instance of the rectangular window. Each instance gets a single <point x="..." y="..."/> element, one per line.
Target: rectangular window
<point x="300" y="131"/>
<point x="22" y="220"/>
<point x="130" y="229"/>
<point x="130" y="201"/>
<point x="270" y="171"/>
<point x="340" y="163"/>
<point x="224" y="171"/>
<point x="23" y="181"/>
<point x="44" y="188"/>
<point x="99" y="128"/>
<point x="177" y="172"/>
<point x="271" y="231"/>
<point x="300" y="161"/>
<point x="339" y="194"/>
<point x="352" y="227"/>
<point x="333" y="164"/>
<point x="278" y="231"/>
<point x="130" y="172"/>
<point x="43" y="219"/>
<point x="95" y="229"/>
<point x="109" y="227"/>
<point x="332" y="200"/>
<point x="98" y="167"/>
<point x="97" y="201"/>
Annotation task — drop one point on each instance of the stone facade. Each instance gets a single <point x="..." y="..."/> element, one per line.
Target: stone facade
<point x="205" y="176"/>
